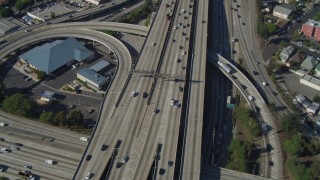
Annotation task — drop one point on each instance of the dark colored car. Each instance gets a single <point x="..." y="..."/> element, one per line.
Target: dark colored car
<point x="104" y="147"/>
<point x="88" y="157"/>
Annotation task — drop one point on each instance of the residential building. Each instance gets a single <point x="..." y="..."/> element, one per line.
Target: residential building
<point x="51" y="56"/>
<point x="303" y="100"/>
<point x="96" y="2"/>
<point x="310" y="81"/>
<point x="2" y="2"/>
<point x="311" y="29"/>
<point x="313" y="108"/>
<point x="93" y="79"/>
<point x="286" y="53"/>
<point x="294" y="60"/>
<point x="47" y="96"/>
<point x="283" y="11"/>
<point x="309" y="63"/>
<point x="317" y="70"/>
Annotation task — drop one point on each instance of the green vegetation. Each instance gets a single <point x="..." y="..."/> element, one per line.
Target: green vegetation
<point x="293" y="146"/>
<point x="147" y="20"/>
<point x="75" y="118"/>
<point x="111" y="33"/>
<point x="262" y="30"/>
<point x="290" y="123"/>
<point x="315" y="99"/>
<point x="67" y="88"/>
<point x="6" y="12"/>
<point x="52" y="15"/>
<point x="245" y="116"/>
<point x="317" y="17"/>
<point x="237" y="160"/>
<point x="59" y="118"/>
<point x="40" y="74"/>
<point x="19" y="104"/>
<point x="296" y="169"/>
<point x="46" y="117"/>
<point x="143" y="11"/>
<point x="4" y="178"/>
<point x="23" y="4"/>
<point x="271" y="28"/>
<point x="2" y="92"/>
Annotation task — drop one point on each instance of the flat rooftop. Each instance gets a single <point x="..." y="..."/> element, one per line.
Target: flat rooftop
<point x="45" y="13"/>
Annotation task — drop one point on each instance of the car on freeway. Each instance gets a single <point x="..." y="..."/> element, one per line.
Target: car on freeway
<point x="155" y="111"/>
<point x="18" y="144"/>
<point x="153" y="44"/>
<point x="72" y="106"/>
<point x="88" y="157"/>
<point x="104" y="147"/>
<point x="27" y="30"/>
<point x="26" y="166"/>
<point x="89" y="175"/>
<point x="125" y="159"/>
<point x="91" y="111"/>
<point x="179" y="60"/>
<point x="145" y="95"/>
<point x="175" y="27"/>
<point x="172" y="102"/>
<point x="1" y="139"/>
<point x="177" y="106"/>
<point x="181" y="89"/>
<point x="28" y="78"/>
<point x="183" y="68"/>
<point x="162" y="171"/>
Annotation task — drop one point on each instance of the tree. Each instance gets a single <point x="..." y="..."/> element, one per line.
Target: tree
<point x="237" y="159"/>
<point x="293" y="146"/>
<point x="46" y="117"/>
<point x="4" y="178"/>
<point x="271" y="28"/>
<point x="283" y="44"/>
<point x="290" y="123"/>
<point x="316" y="98"/>
<point x="2" y="91"/>
<point x="317" y="17"/>
<point x="52" y="15"/>
<point x="75" y="118"/>
<point x="262" y="30"/>
<point x="314" y="170"/>
<point x="19" y="104"/>
<point x="59" y="118"/>
<point x="6" y="12"/>
<point x="22" y="4"/>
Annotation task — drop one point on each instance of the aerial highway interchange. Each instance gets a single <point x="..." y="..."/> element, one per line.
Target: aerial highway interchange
<point x="141" y="131"/>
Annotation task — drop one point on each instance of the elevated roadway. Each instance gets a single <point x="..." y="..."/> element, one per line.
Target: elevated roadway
<point x="209" y="173"/>
<point x="191" y="147"/>
<point x="241" y="81"/>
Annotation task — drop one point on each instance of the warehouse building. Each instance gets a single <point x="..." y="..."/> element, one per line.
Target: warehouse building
<point x="8" y="25"/>
<point x="51" y="56"/>
<point x="44" y="14"/>
<point x="100" y="66"/>
<point x="92" y="78"/>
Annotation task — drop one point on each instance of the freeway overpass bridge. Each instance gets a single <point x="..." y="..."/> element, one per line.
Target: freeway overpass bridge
<point x="208" y="173"/>
<point x="247" y="88"/>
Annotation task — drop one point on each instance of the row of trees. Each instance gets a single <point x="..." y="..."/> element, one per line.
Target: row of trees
<point x="21" y="105"/>
<point x="246" y="117"/>
<point x="238" y="156"/>
<point x="264" y="30"/>
<point x="23" y="4"/>
<point x="73" y="119"/>
<point x="296" y="146"/>
<point x="6" y="12"/>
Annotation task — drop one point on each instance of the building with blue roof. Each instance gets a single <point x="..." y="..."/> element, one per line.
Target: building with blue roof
<point x="92" y="78"/>
<point x="51" y="56"/>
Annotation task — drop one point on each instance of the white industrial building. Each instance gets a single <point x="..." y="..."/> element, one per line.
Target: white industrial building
<point x="93" y="79"/>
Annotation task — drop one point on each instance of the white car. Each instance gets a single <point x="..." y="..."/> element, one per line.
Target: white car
<point x="183" y="52"/>
<point x="89" y="175"/>
<point x="175" y="27"/>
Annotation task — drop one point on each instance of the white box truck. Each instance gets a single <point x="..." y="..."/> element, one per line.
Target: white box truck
<point x="48" y="161"/>
<point x="86" y="139"/>
<point x="251" y="98"/>
<point x="3" y="124"/>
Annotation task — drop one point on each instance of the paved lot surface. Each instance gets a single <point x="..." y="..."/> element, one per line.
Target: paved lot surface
<point x="293" y="84"/>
